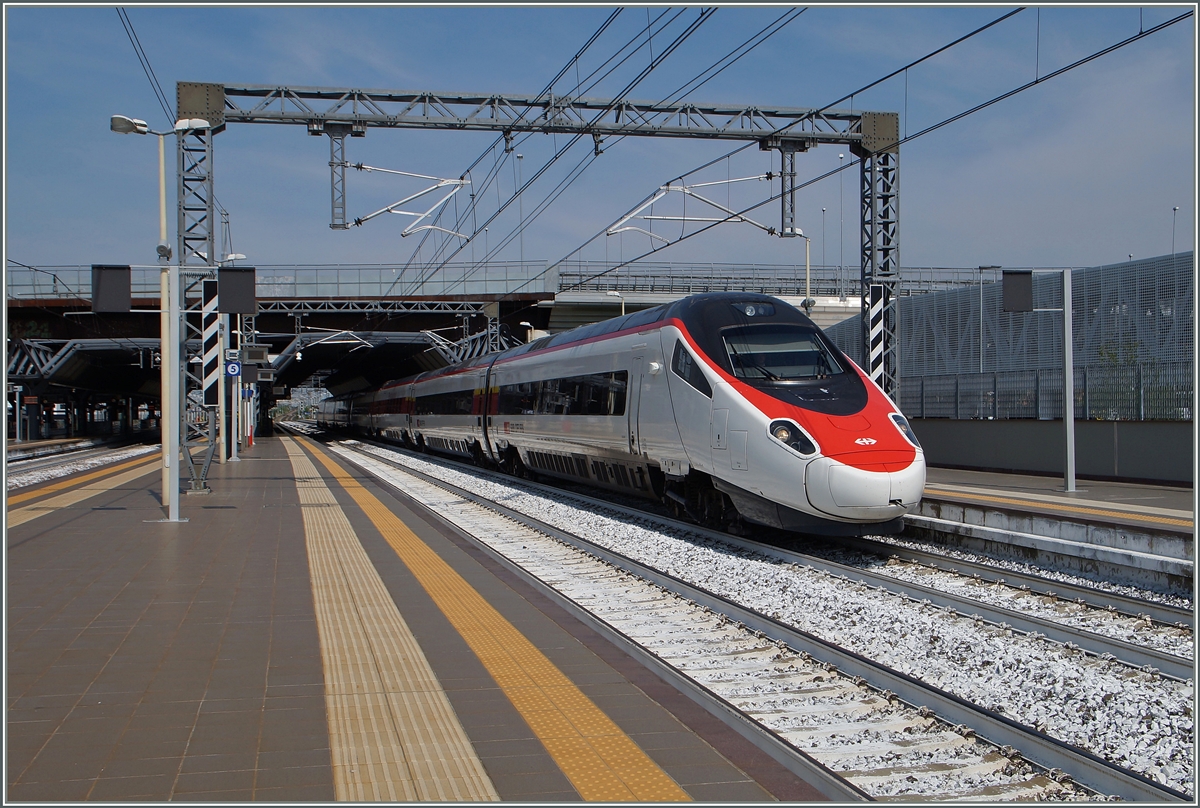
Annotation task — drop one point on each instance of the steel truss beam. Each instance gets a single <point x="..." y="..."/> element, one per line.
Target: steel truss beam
<point x="318" y="107"/>
<point x="367" y="306"/>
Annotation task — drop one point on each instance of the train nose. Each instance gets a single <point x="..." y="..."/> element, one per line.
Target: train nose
<point x="859" y="494"/>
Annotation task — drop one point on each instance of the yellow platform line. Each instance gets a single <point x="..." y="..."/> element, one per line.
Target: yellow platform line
<point x="1159" y="520"/>
<point x="42" y="491"/>
<point x="393" y="734"/>
<point x="19" y="516"/>
<point x="600" y="760"/>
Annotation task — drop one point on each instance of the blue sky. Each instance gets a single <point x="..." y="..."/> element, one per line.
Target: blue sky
<point x="1081" y="170"/>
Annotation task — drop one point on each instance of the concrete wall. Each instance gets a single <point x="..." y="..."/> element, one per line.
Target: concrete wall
<point x="1159" y="451"/>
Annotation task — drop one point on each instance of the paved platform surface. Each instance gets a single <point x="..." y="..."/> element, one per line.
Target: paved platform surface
<point x="301" y="638"/>
<point x="1142" y="505"/>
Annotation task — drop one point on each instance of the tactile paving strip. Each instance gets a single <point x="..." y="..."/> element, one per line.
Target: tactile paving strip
<point x="393" y="733"/>
<point x="600" y="760"/>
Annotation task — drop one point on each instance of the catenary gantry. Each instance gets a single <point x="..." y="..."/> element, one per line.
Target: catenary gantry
<point x="338" y="112"/>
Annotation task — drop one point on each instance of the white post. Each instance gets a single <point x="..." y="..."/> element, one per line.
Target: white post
<point x="1068" y="385"/>
<point x="222" y="344"/>
<point x="172" y="409"/>
<point x="807" y="278"/>
<point x="17" y="414"/>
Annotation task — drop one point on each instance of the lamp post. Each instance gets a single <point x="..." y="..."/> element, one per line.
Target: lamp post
<point x="841" y="227"/>
<point x="823" y="264"/>
<point x="1174" y="212"/>
<point x="615" y="293"/>
<point x="169" y="300"/>
<point x="808" y="299"/>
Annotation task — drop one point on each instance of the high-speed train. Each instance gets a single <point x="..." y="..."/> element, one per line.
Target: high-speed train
<point x="733" y="408"/>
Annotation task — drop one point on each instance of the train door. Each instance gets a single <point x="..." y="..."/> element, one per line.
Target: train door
<point x="691" y="401"/>
<point x="635" y="400"/>
<point x="491" y="390"/>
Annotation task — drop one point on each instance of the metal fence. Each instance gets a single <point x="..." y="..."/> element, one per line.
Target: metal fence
<point x="1133" y="336"/>
<point x="1151" y="391"/>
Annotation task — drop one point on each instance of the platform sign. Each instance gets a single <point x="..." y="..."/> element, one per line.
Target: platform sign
<point x="233" y="368"/>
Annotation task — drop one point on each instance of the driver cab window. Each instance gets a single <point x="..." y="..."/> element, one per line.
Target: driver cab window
<point x="687" y="368"/>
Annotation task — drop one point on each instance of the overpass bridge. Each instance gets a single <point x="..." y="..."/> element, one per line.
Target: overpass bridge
<point x="357" y="325"/>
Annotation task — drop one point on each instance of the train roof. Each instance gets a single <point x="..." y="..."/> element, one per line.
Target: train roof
<point x="685" y="309"/>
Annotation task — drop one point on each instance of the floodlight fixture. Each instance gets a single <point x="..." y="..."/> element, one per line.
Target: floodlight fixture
<point x="188" y="124"/>
<point x="124" y="125"/>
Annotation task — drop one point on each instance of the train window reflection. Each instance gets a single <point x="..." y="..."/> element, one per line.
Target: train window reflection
<point x="779" y="352"/>
<point x="593" y="394"/>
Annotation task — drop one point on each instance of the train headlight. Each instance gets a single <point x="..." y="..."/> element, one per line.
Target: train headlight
<point x="791" y="435"/>
<point x="905" y="429"/>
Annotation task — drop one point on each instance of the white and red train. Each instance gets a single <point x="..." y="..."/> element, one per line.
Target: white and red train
<point x="735" y="408"/>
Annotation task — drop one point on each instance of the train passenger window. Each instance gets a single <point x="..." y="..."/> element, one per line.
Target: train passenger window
<point x="458" y="402"/>
<point x="686" y="368"/>
<point x="593" y="394"/>
<point x="779" y="352"/>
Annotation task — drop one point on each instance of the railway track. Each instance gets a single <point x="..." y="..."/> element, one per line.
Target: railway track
<point x="21" y="473"/>
<point x="877" y="726"/>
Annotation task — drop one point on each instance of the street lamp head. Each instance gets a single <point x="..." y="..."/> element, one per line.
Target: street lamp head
<point x="1176" y="208"/>
<point x="840" y="155"/>
<point x="128" y="126"/>
<point x="233" y="257"/>
<point x="188" y="124"/>
<point x="614" y="293"/>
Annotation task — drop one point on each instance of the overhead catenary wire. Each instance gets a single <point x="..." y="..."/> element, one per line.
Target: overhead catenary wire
<point x="469" y="210"/>
<point x="691" y="85"/>
<point x="144" y="60"/>
<point x="705" y="15"/>
<point x="578" y="89"/>
<point x="928" y="130"/>
<point x="824" y="108"/>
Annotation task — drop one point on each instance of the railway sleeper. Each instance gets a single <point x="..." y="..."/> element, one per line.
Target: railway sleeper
<point x="991" y="763"/>
<point x="1028" y="790"/>
<point x="804" y="736"/>
<point x="822" y="709"/>
<point x="868" y="748"/>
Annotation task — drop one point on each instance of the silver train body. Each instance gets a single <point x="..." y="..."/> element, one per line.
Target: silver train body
<point x="733" y="408"/>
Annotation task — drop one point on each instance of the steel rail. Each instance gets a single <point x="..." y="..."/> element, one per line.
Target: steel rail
<point x="1037" y="747"/>
<point x="1177" y="667"/>
<point x="1124" y="604"/>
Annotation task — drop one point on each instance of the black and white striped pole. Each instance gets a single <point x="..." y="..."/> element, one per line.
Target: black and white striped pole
<point x="877" y="305"/>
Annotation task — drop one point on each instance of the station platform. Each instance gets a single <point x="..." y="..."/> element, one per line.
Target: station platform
<point x="310" y="635"/>
<point x="1140" y="505"/>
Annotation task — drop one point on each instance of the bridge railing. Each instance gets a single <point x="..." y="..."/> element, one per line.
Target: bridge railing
<point x="499" y="278"/>
<point x="308" y="282"/>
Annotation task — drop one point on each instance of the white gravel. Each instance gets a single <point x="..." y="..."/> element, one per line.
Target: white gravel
<point x="1178" y="641"/>
<point x="1031" y="569"/>
<point x="20" y="479"/>
<point x="1138" y="720"/>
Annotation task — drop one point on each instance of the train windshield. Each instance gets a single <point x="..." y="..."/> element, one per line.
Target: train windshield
<point x="779" y="352"/>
